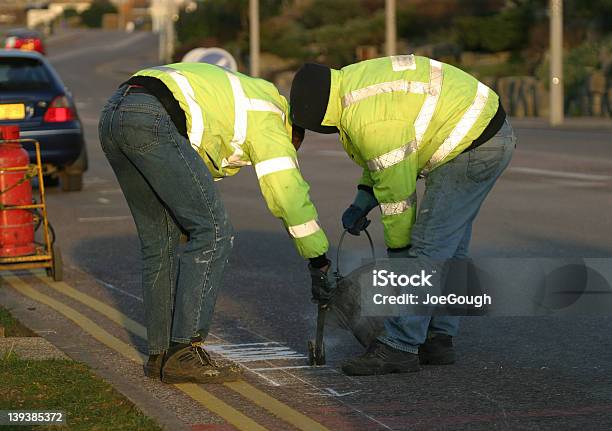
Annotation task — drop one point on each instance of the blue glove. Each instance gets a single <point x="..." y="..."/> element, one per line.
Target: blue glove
<point x="354" y="218"/>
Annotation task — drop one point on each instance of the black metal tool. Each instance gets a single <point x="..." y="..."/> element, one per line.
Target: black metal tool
<point x="316" y="347"/>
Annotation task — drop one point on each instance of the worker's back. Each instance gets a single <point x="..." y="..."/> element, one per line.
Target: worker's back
<point x="440" y="107"/>
<point x="224" y="110"/>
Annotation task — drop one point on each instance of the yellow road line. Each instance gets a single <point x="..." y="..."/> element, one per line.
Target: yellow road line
<point x="262" y="399"/>
<point x="208" y="400"/>
<point x="214" y="404"/>
<point x="88" y="325"/>
<point x="108" y="311"/>
<point x="277" y="408"/>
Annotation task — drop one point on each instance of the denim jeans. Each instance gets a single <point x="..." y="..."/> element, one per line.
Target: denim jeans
<point x="169" y="190"/>
<point x="453" y="195"/>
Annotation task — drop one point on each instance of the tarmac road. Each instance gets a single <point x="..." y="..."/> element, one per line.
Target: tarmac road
<point x="512" y="373"/>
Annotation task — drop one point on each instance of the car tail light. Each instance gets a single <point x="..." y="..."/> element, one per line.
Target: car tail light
<point x="28" y="44"/>
<point x="60" y="111"/>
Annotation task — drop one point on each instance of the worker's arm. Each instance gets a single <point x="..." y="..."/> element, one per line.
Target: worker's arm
<point x="354" y="218"/>
<point x="284" y="189"/>
<point x="389" y="152"/>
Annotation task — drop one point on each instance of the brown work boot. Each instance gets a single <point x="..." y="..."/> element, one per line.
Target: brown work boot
<point x="190" y="363"/>
<point x="153" y="366"/>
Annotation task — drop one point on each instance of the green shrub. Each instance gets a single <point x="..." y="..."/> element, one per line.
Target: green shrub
<point x="578" y="63"/>
<point x="326" y="12"/>
<point x="70" y="12"/>
<point x="336" y="49"/>
<point x="92" y="17"/>
<point x="507" y="30"/>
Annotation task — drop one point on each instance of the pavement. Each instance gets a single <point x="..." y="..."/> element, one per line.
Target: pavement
<point x="36" y="348"/>
<point x="513" y="373"/>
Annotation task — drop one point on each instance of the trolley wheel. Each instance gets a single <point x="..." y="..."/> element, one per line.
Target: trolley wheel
<point x="71" y="182"/>
<point x="57" y="270"/>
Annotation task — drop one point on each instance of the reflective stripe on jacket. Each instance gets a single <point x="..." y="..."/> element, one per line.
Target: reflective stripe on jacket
<point x="404" y="115"/>
<point x="234" y="120"/>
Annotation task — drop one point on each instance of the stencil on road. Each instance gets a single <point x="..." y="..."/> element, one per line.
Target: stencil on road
<point x="254" y="352"/>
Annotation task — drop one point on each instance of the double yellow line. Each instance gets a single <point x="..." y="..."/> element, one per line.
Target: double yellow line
<point x="205" y="398"/>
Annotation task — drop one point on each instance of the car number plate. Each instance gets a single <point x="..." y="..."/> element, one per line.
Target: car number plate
<point x="12" y="111"/>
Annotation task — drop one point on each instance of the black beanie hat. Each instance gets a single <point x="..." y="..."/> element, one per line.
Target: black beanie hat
<point x="309" y="97"/>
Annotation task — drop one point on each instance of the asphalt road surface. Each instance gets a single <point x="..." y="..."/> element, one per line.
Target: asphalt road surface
<point x="512" y="373"/>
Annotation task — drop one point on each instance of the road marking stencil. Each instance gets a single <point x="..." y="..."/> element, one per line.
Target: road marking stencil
<point x="255" y="352"/>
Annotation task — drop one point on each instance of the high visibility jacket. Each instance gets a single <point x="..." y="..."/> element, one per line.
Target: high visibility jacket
<point x="234" y="120"/>
<point x="401" y="116"/>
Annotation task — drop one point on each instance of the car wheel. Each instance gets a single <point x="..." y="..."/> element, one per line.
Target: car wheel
<point x="71" y="182"/>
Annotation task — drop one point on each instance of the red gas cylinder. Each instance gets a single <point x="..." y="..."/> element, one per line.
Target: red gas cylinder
<point x="16" y="226"/>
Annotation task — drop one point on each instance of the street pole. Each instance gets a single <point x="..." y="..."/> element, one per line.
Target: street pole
<point x="159" y="25"/>
<point x="556" y="62"/>
<point x="163" y="12"/>
<point x="162" y="35"/>
<point x="254" y="36"/>
<point x="170" y="36"/>
<point x="390" y="25"/>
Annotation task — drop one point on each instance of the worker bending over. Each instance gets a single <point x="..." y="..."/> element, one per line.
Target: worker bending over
<point x="168" y="132"/>
<point x="399" y="118"/>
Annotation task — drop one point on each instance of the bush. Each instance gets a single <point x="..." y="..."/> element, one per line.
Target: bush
<point x="507" y="30"/>
<point x="337" y="50"/>
<point x="70" y="12"/>
<point x="92" y="17"/>
<point x="325" y="12"/>
<point x="578" y="63"/>
<point x="221" y="20"/>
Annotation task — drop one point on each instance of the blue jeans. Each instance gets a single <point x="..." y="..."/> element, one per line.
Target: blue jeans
<point x="443" y="229"/>
<point x="169" y="190"/>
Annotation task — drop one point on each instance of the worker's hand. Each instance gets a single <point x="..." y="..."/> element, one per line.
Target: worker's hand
<point x="322" y="286"/>
<point x="354" y="220"/>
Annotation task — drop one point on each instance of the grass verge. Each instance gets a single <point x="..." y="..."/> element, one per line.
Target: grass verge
<point x="90" y="404"/>
<point x="12" y="327"/>
<point x="62" y="385"/>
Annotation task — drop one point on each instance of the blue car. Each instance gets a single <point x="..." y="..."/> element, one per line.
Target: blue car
<point x="33" y="96"/>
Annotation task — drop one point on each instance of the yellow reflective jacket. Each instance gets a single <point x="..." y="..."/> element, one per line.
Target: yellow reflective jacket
<point x="234" y="120"/>
<point x="401" y="116"/>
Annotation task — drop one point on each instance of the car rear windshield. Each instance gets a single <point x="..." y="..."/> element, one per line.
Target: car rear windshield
<point x="23" y="74"/>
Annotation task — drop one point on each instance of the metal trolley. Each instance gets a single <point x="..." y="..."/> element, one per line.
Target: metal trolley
<point x="47" y="255"/>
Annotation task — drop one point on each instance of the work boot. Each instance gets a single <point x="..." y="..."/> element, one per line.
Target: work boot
<point x="153" y="366"/>
<point x="190" y="363"/>
<point x="437" y="350"/>
<point x="381" y="359"/>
